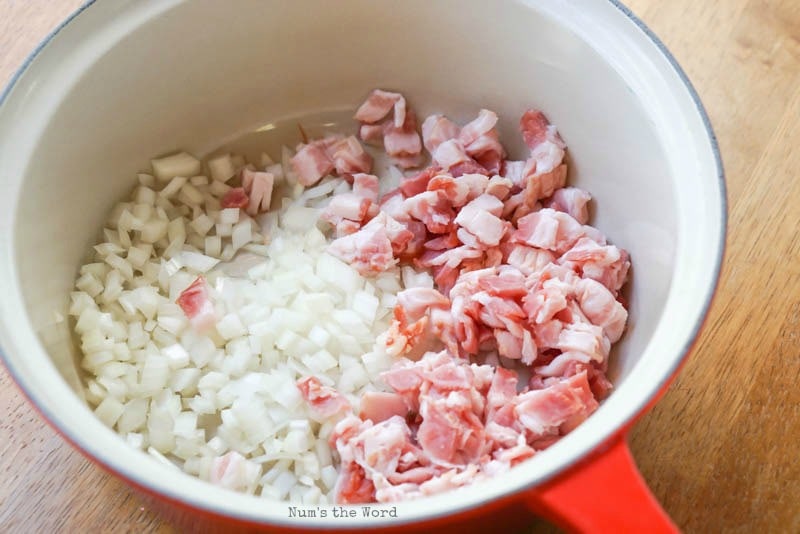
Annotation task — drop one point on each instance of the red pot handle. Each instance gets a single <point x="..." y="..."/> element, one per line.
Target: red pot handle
<point x="604" y="494"/>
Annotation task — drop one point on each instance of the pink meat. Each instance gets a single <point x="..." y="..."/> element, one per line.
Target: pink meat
<point x="229" y="471"/>
<point x="378" y="104"/>
<point x="258" y="186"/>
<point x="418" y="183"/>
<point x="476" y="183"/>
<point x="372" y="134"/>
<point x="601" y="308"/>
<point x="353" y="486"/>
<point x="450" y="153"/>
<point x="437" y="129"/>
<point x="499" y="187"/>
<point x="368" y="250"/>
<point x="311" y="163"/>
<point x="432" y="208"/>
<point x="481" y="218"/>
<point x="605" y="263"/>
<point x="323" y="401"/>
<point x="417" y="301"/>
<point x="468" y="166"/>
<point x="548" y="229"/>
<point x="366" y="186"/>
<point x="349" y="157"/>
<point x="455" y="191"/>
<point x="571" y="200"/>
<point x="197" y="306"/>
<point x="542" y="412"/>
<point x="346" y="206"/>
<point x="235" y="198"/>
<point x="536" y="129"/>
<point x="403" y="141"/>
<point x="480" y="126"/>
<point x="540" y="184"/>
<point x="513" y="170"/>
<point x="450" y="434"/>
<point x="379" y="406"/>
<point x="529" y="259"/>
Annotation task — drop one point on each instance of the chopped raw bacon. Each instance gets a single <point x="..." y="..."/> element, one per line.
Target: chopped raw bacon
<point x="403" y="141"/>
<point x="349" y="157"/>
<point x="197" y="306"/>
<point x="437" y="129"/>
<point x="571" y="200"/>
<point x="512" y="279"/>
<point x="258" y="186"/>
<point x="482" y="125"/>
<point x="432" y="208"/>
<point x="379" y="406"/>
<point x="368" y="250"/>
<point x="311" y="163"/>
<point x="378" y="104"/>
<point x="234" y="198"/>
<point x="346" y="206"/>
<point x="372" y="134"/>
<point x="450" y="153"/>
<point x="565" y="403"/>
<point x="418" y="183"/>
<point x="536" y="129"/>
<point x="232" y="471"/>
<point x="366" y="186"/>
<point x="324" y="402"/>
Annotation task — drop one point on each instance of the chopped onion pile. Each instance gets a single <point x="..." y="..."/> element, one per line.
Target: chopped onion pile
<point x="221" y="403"/>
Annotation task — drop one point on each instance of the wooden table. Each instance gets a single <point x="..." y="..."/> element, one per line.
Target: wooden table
<point x="721" y="449"/>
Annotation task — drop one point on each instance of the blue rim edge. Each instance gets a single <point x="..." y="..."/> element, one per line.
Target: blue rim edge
<point x="640" y="410"/>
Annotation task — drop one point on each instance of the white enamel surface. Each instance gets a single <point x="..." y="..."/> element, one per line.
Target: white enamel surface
<point x="128" y="81"/>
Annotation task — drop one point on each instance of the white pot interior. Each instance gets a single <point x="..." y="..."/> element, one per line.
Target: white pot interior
<point x="127" y="81"/>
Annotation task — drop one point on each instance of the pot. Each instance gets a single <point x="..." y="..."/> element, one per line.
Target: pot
<point x="121" y="82"/>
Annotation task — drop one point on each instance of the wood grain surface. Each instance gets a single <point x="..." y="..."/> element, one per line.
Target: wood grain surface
<point x="720" y="449"/>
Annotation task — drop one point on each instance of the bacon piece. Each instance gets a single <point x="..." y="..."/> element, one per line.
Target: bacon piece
<point x="571" y="200"/>
<point x="536" y="129"/>
<point x="418" y="183"/>
<point x="349" y="157"/>
<point x="499" y="187"/>
<point x="235" y="198"/>
<point x="513" y="170"/>
<point x="197" y="306"/>
<point x="346" y="206"/>
<point x="480" y="218"/>
<point x="543" y="184"/>
<point x="432" y="208"/>
<point x="352" y="486"/>
<point x="468" y="166"/>
<point x="377" y="106"/>
<point x="601" y="308"/>
<point x="605" y="263"/>
<point x="372" y="134"/>
<point x="564" y="403"/>
<point x="436" y="129"/>
<point x="456" y="192"/>
<point x="403" y="141"/>
<point x="232" y="471"/>
<point x="369" y="250"/>
<point x="378" y="406"/>
<point x="259" y="186"/>
<point x="548" y="229"/>
<point x="366" y="186"/>
<point x="324" y="402"/>
<point x="450" y="153"/>
<point x="311" y="163"/>
<point x="480" y="126"/>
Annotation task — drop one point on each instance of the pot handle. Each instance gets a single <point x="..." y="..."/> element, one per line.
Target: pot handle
<point x="603" y="494"/>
